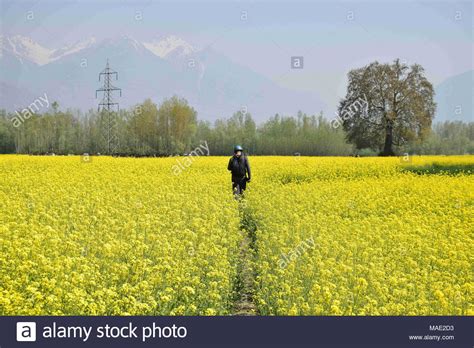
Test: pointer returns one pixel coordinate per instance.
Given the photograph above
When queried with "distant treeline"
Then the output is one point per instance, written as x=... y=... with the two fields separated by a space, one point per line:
x=173 y=129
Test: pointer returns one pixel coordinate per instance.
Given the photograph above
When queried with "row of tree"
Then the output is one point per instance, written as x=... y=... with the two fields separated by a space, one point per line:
x=448 y=138
x=172 y=128
x=169 y=129
x=387 y=108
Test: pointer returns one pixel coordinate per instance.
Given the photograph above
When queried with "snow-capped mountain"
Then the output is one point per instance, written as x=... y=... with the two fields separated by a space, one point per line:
x=169 y=46
x=27 y=50
x=24 y=48
x=71 y=49
x=213 y=84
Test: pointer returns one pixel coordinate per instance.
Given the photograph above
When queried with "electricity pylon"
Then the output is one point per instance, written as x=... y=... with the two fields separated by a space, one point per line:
x=109 y=109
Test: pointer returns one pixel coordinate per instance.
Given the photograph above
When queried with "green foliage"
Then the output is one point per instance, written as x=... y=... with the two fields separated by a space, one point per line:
x=387 y=105
x=7 y=140
x=172 y=128
x=366 y=152
x=440 y=168
x=302 y=135
x=447 y=138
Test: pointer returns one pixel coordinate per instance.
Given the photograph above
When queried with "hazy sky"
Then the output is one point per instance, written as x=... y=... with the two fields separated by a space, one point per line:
x=333 y=37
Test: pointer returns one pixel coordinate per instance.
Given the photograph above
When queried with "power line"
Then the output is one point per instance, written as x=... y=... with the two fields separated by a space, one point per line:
x=109 y=108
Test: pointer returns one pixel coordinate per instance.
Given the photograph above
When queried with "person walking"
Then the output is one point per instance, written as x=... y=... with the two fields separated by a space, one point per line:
x=240 y=169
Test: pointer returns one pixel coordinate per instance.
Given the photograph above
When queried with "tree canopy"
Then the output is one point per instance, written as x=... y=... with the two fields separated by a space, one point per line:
x=387 y=105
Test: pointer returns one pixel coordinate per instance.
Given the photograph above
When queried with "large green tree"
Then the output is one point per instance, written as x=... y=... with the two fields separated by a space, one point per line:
x=143 y=127
x=387 y=105
x=177 y=125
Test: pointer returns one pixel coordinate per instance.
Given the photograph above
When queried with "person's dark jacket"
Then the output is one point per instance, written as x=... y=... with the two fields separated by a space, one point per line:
x=240 y=168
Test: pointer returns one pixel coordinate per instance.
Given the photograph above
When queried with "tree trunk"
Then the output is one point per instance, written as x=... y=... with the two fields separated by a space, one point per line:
x=387 y=149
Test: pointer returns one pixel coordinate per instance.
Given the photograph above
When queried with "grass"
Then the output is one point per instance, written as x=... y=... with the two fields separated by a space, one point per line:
x=440 y=168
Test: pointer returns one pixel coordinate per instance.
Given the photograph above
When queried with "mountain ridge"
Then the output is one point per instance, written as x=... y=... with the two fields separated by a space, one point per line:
x=162 y=67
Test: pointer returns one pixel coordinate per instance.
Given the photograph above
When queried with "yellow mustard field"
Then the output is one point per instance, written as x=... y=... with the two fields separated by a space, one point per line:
x=330 y=236
x=358 y=237
x=114 y=236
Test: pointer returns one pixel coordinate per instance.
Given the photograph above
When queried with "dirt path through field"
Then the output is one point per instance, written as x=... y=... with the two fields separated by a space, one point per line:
x=245 y=282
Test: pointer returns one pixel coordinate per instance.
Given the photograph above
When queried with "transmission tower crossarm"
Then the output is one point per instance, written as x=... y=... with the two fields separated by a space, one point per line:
x=108 y=106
